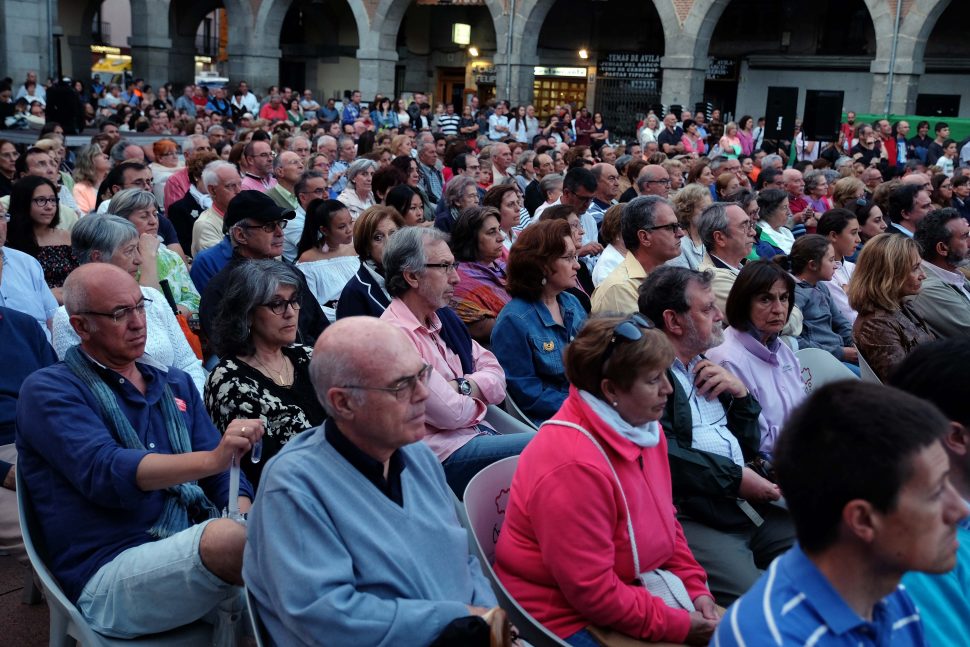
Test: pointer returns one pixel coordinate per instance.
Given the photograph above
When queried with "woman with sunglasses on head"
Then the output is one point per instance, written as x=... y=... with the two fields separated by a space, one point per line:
x=533 y=329
x=263 y=372
x=34 y=217
x=574 y=567
x=326 y=253
x=758 y=307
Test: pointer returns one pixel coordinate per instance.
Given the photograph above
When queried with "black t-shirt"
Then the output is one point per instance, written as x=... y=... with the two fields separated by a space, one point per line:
x=628 y=195
x=667 y=137
x=868 y=154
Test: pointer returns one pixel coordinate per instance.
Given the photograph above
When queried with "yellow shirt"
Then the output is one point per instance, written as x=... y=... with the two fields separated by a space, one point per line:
x=619 y=291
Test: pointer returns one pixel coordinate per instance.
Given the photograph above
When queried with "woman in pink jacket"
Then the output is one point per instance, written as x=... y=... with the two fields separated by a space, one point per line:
x=596 y=473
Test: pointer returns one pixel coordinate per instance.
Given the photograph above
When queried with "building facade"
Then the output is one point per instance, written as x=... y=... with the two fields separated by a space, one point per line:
x=634 y=55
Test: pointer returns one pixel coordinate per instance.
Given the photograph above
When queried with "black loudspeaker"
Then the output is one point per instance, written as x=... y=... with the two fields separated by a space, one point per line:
x=823 y=115
x=780 y=113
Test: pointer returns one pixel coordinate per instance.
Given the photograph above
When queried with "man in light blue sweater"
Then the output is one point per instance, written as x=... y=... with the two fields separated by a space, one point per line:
x=353 y=538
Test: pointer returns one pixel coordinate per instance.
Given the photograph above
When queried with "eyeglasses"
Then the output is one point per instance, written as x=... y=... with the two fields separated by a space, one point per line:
x=673 y=227
x=279 y=307
x=122 y=314
x=317 y=192
x=630 y=329
x=43 y=201
x=572 y=258
x=10 y=156
x=447 y=267
x=268 y=227
x=665 y=181
x=403 y=389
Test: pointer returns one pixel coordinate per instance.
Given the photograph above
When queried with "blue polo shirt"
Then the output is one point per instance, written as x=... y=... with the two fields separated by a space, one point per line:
x=23 y=287
x=23 y=350
x=794 y=604
x=82 y=481
x=210 y=262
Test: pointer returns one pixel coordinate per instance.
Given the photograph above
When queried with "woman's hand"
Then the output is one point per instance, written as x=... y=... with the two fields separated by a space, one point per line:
x=705 y=604
x=701 y=629
x=148 y=245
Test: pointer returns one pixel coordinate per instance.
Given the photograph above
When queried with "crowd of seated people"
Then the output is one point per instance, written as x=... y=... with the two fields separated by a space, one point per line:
x=337 y=305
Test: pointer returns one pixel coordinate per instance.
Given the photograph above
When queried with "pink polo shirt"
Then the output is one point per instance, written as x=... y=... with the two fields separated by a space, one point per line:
x=451 y=419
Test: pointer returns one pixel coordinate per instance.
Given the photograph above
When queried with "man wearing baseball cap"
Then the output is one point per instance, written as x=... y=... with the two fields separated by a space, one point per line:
x=255 y=224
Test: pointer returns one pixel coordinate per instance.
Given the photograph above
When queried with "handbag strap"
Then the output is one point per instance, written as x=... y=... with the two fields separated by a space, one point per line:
x=629 y=518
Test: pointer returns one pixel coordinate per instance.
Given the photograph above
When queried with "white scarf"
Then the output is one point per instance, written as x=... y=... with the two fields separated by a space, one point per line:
x=647 y=435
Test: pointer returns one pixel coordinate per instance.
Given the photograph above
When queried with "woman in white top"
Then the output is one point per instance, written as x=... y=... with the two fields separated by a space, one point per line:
x=775 y=237
x=614 y=253
x=326 y=252
x=650 y=130
x=112 y=239
x=551 y=187
x=403 y=118
x=841 y=227
x=358 y=195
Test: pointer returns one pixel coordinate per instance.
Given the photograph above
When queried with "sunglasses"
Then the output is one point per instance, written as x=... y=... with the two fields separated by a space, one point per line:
x=628 y=330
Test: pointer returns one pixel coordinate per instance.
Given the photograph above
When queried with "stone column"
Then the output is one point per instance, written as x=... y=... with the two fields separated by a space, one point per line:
x=683 y=80
x=522 y=76
x=150 y=42
x=259 y=68
x=181 y=60
x=376 y=72
x=905 y=86
x=25 y=40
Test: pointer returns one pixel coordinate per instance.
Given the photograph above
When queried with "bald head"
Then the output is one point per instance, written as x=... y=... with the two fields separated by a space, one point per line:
x=918 y=179
x=607 y=181
x=653 y=179
x=89 y=284
x=793 y=182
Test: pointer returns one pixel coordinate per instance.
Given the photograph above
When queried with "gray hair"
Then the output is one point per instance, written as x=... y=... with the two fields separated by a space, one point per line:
x=357 y=167
x=118 y=150
x=325 y=139
x=215 y=128
x=769 y=160
x=456 y=187
x=294 y=139
x=550 y=182
x=524 y=158
x=712 y=220
x=404 y=252
x=717 y=162
x=639 y=214
x=210 y=174
x=301 y=184
x=831 y=175
x=126 y=202
x=813 y=179
x=251 y=284
x=103 y=233
x=345 y=138
x=190 y=142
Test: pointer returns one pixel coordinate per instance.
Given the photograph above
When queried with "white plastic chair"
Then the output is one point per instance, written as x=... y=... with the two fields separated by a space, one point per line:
x=485 y=499
x=513 y=409
x=820 y=367
x=503 y=422
x=67 y=625
x=868 y=375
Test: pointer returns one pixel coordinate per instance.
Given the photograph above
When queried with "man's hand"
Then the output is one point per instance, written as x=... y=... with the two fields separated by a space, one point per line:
x=590 y=249
x=10 y=480
x=712 y=380
x=756 y=488
x=476 y=611
x=850 y=354
x=701 y=629
x=239 y=438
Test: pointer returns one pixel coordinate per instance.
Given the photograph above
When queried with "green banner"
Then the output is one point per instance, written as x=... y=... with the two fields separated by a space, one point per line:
x=959 y=128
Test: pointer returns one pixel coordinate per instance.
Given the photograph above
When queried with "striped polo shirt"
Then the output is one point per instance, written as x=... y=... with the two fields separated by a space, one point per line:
x=794 y=604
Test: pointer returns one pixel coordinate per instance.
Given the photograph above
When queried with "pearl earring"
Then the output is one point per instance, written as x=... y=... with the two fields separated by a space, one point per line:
x=615 y=403
x=543 y=280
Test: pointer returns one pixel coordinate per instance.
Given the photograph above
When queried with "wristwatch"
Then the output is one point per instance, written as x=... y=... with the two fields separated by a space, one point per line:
x=464 y=386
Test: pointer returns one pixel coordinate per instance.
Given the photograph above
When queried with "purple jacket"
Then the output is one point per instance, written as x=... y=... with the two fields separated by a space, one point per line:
x=773 y=375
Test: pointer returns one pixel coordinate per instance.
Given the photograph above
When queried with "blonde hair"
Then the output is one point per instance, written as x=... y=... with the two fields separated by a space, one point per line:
x=880 y=273
x=845 y=190
x=687 y=200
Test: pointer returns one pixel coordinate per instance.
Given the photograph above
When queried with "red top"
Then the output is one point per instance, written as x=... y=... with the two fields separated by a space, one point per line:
x=564 y=552
x=270 y=114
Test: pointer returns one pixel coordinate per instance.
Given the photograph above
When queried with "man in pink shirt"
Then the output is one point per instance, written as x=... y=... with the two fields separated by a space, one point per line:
x=273 y=111
x=420 y=276
x=177 y=184
x=259 y=167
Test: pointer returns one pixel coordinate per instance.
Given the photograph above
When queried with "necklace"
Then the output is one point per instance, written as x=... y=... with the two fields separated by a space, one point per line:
x=279 y=380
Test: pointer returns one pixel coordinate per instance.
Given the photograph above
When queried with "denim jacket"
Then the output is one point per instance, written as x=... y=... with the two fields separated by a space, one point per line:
x=824 y=326
x=529 y=346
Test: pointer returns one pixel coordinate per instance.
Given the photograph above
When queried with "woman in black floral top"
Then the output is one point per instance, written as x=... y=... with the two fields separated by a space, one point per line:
x=262 y=372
